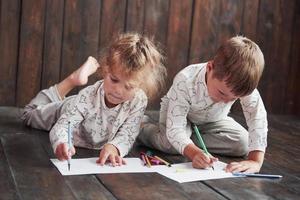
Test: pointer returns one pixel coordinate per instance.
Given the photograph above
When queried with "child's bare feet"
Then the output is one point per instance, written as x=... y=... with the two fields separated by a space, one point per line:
x=80 y=76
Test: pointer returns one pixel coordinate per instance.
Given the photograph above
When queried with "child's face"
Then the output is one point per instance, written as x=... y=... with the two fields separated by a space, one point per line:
x=217 y=90
x=117 y=88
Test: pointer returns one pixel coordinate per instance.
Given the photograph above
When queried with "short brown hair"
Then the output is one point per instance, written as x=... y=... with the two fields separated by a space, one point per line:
x=240 y=62
x=140 y=58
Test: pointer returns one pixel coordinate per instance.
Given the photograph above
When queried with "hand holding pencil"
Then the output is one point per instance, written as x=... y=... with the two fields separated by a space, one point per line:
x=201 y=159
x=64 y=151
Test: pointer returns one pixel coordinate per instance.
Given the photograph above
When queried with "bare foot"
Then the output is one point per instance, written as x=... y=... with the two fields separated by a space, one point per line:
x=80 y=76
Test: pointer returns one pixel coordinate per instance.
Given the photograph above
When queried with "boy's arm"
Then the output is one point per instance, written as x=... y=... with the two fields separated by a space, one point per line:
x=129 y=130
x=251 y=165
x=190 y=151
x=178 y=108
x=256 y=119
x=257 y=156
x=198 y=157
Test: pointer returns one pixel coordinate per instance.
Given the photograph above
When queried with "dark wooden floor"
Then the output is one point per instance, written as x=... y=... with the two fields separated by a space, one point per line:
x=27 y=173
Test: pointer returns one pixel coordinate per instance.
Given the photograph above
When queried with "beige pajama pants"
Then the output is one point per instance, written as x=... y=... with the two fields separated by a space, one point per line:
x=44 y=110
x=225 y=137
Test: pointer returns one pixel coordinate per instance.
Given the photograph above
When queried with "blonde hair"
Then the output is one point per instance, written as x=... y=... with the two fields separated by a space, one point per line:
x=240 y=62
x=139 y=58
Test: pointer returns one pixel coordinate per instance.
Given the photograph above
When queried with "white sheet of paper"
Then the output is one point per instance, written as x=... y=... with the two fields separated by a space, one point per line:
x=89 y=166
x=184 y=172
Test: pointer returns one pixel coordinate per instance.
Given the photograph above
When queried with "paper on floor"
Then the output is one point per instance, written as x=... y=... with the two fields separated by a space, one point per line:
x=183 y=172
x=89 y=166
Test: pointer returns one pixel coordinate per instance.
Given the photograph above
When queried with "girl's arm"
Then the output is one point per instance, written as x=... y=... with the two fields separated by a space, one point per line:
x=59 y=133
x=74 y=113
x=129 y=130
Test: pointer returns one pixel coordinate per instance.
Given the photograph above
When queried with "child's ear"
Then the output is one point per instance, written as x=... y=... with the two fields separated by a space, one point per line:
x=210 y=66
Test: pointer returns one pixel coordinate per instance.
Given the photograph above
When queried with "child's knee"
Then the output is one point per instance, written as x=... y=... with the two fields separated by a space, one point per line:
x=26 y=114
x=38 y=117
x=153 y=136
x=240 y=146
x=147 y=133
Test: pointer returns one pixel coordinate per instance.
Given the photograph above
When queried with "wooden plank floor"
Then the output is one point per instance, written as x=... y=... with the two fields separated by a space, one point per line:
x=27 y=173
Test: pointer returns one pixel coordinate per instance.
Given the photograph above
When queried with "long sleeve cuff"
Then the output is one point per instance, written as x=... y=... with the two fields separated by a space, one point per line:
x=181 y=146
x=54 y=146
x=257 y=147
x=56 y=140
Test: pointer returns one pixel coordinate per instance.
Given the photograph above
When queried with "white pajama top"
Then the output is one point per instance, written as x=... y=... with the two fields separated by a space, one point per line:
x=93 y=124
x=188 y=99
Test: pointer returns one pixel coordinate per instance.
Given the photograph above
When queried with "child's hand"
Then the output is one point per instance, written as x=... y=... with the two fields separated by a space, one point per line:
x=249 y=166
x=63 y=152
x=110 y=153
x=202 y=161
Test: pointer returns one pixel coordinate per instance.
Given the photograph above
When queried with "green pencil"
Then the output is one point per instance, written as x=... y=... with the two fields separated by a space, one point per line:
x=201 y=142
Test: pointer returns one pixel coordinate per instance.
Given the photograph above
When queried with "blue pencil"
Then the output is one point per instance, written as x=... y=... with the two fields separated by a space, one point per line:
x=256 y=175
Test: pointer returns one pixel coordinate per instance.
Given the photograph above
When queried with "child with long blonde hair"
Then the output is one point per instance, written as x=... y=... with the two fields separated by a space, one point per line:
x=106 y=115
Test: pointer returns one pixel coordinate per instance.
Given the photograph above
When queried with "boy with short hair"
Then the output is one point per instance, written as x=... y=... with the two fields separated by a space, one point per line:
x=203 y=94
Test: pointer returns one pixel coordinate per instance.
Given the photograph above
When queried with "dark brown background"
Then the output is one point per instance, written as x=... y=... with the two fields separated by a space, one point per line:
x=41 y=42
